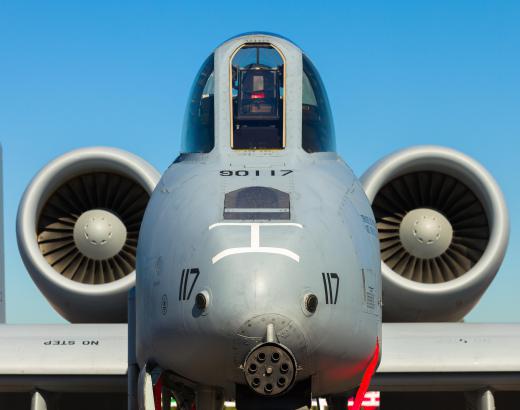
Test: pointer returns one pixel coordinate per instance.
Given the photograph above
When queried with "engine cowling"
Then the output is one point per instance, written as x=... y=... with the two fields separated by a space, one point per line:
x=443 y=229
x=77 y=228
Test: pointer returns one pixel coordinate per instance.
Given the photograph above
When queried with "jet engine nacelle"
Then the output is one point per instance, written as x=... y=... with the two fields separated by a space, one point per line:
x=443 y=230
x=77 y=229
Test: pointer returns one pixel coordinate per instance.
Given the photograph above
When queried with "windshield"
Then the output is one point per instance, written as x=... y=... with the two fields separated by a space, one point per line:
x=257 y=77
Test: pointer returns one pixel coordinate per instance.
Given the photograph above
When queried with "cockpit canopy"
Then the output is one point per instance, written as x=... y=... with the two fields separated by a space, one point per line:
x=257 y=78
x=198 y=134
x=317 y=125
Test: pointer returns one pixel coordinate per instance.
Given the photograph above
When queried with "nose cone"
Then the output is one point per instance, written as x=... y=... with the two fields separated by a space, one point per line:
x=258 y=277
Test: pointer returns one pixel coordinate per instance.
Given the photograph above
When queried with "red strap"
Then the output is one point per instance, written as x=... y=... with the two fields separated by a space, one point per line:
x=157 y=394
x=367 y=377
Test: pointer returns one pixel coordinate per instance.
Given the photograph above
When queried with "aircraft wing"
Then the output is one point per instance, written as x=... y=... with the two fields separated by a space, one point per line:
x=69 y=357
x=449 y=357
x=417 y=357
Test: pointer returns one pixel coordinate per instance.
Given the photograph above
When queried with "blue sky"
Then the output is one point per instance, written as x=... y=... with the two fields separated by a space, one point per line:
x=398 y=73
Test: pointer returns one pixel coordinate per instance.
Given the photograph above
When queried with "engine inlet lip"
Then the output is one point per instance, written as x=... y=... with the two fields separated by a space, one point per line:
x=50 y=282
x=49 y=179
x=470 y=172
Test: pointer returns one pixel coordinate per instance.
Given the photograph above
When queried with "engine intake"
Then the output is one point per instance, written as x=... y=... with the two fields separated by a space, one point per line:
x=443 y=229
x=77 y=227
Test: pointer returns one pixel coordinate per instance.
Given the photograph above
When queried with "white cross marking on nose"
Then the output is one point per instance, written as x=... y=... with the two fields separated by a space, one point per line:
x=255 y=241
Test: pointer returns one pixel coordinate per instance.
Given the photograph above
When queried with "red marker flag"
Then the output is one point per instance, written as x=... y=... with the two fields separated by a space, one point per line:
x=365 y=381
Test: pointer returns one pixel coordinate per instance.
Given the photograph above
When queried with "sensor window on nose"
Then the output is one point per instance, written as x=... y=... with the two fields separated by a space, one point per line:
x=257 y=203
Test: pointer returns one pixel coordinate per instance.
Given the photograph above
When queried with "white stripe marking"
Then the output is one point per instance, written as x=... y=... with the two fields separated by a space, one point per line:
x=255 y=236
x=237 y=251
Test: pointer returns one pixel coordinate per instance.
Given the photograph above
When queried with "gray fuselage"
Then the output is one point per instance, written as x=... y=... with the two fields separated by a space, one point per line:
x=249 y=290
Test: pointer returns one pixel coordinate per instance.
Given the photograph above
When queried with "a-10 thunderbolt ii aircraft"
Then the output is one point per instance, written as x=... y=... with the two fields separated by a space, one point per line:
x=259 y=258
x=258 y=270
